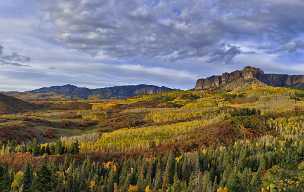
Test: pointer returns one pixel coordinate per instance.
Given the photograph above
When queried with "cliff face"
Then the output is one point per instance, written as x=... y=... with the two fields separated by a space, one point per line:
x=248 y=73
x=296 y=81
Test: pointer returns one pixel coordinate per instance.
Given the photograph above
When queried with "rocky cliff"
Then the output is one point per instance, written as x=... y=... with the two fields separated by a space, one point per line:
x=250 y=73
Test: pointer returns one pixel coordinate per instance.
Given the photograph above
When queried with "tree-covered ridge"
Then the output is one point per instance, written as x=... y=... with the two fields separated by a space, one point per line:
x=246 y=139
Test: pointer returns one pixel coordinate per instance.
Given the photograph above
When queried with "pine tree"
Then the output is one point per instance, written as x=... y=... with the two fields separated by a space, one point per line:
x=193 y=182
x=206 y=181
x=256 y=181
x=47 y=149
x=4 y=179
x=59 y=148
x=27 y=179
x=158 y=177
x=44 y=181
x=75 y=148
x=35 y=148
x=186 y=171
x=198 y=166
x=169 y=172
x=176 y=184
x=42 y=150
x=141 y=182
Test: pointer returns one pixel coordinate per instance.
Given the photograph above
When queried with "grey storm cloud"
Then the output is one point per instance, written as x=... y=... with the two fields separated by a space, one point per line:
x=292 y=46
x=224 y=55
x=175 y=29
x=13 y=59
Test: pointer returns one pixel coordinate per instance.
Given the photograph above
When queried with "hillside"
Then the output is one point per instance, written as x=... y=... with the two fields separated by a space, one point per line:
x=68 y=90
x=243 y=135
x=238 y=78
x=13 y=105
x=252 y=134
x=71 y=91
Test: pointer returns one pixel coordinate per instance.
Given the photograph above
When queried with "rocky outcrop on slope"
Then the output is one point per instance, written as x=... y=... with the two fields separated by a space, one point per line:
x=250 y=73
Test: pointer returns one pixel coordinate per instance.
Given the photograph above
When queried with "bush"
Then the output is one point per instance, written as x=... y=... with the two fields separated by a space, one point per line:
x=245 y=112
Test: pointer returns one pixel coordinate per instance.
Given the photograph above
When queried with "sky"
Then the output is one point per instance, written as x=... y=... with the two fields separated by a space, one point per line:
x=94 y=43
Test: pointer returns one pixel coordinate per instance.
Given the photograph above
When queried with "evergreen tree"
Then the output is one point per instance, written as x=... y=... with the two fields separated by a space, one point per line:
x=44 y=181
x=75 y=148
x=35 y=148
x=176 y=184
x=158 y=177
x=169 y=172
x=59 y=148
x=186 y=169
x=47 y=149
x=4 y=179
x=27 y=179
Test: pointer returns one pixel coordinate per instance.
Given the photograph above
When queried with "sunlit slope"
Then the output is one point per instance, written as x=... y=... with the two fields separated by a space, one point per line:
x=192 y=119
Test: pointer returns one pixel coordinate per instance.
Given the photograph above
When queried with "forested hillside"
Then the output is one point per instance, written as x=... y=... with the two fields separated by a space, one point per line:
x=152 y=96
x=246 y=139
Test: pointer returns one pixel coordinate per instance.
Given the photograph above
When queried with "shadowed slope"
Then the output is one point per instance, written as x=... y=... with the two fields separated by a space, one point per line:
x=13 y=105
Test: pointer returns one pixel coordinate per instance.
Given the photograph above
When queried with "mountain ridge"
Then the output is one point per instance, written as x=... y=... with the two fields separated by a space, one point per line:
x=247 y=74
x=123 y=91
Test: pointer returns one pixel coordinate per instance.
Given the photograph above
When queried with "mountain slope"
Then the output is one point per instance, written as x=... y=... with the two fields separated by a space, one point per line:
x=68 y=90
x=128 y=91
x=13 y=105
x=72 y=91
x=249 y=74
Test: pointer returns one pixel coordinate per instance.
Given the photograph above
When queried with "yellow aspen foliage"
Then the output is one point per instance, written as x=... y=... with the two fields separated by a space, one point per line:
x=92 y=185
x=133 y=188
x=17 y=183
x=60 y=173
x=44 y=145
x=110 y=165
x=178 y=158
x=265 y=189
x=103 y=106
x=147 y=189
x=222 y=189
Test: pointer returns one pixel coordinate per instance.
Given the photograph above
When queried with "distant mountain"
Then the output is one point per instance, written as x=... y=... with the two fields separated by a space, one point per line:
x=128 y=91
x=13 y=105
x=249 y=74
x=72 y=91
x=68 y=90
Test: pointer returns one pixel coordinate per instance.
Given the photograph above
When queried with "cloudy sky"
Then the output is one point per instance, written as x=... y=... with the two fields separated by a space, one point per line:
x=97 y=43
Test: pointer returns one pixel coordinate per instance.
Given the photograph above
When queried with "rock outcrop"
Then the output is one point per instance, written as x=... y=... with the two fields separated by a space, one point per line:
x=250 y=73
